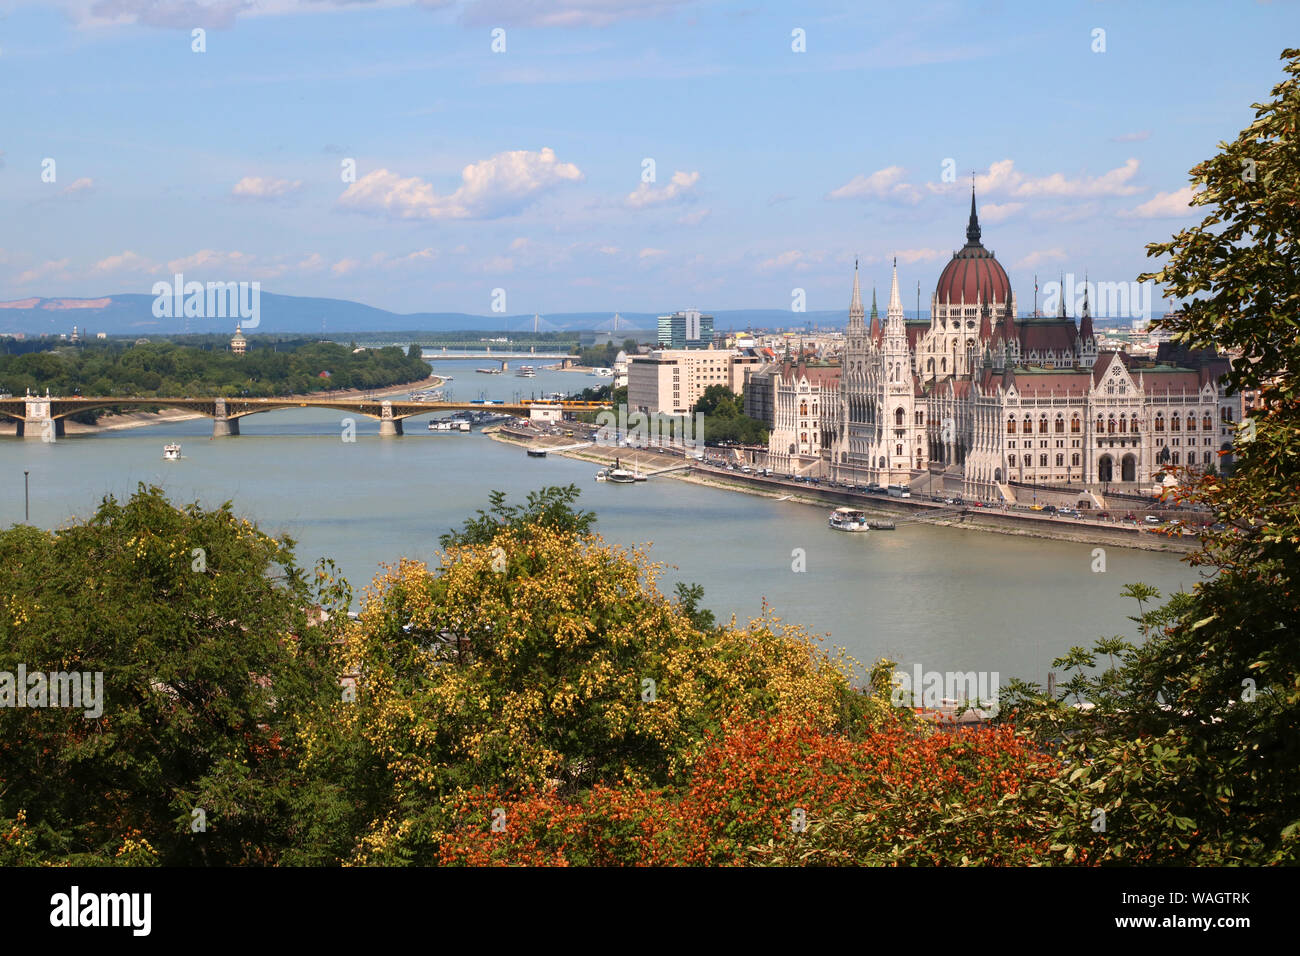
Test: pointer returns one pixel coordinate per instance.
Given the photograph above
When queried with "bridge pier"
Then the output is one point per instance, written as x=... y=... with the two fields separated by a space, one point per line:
x=37 y=421
x=389 y=427
x=223 y=426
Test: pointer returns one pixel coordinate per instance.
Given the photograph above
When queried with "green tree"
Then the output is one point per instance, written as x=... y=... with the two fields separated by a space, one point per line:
x=197 y=622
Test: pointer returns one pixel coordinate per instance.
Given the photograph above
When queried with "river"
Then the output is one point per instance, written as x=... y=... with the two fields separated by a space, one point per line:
x=945 y=598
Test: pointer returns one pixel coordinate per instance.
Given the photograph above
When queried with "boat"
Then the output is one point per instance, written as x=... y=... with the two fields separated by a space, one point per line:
x=602 y=373
x=879 y=525
x=172 y=452
x=620 y=475
x=488 y=371
x=537 y=453
x=848 y=519
x=526 y=371
x=602 y=475
x=449 y=425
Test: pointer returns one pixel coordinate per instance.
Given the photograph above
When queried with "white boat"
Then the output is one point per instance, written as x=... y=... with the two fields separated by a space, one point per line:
x=448 y=425
x=848 y=519
x=172 y=452
x=621 y=475
x=602 y=373
x=526 y=371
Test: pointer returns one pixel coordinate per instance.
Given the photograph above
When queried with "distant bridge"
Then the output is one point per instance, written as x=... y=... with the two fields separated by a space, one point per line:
x=43 y=416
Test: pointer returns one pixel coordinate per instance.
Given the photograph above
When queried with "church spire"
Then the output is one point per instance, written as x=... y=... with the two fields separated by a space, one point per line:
x=973 y=227
x=895 y=300
x=855 y=305
x=1085 y=321
x=875 y=316
x=1060 y=311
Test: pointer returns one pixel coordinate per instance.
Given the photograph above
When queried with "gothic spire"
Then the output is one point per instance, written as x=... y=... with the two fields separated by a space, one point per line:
x=1060 y=312
x=973 y=227
x=895 y=300
x=1085 y=321
x=875 y=316
x=855 y=305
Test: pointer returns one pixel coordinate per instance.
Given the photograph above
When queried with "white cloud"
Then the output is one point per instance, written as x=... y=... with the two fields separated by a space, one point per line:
x=79 y=186
x=125 y=262
x=911 y=256
x=258 y=187
x=1163 y=206
x=1055 y=254
x=521 y=244
x=694 y=218
x=565 y=13
x=646 y=194
x=344 y=266
x=882 y=184
x=312 y=263
x=54 y=267
x=1004 y=179
x=998 y=212
x=648 y=253
x=211 y=260
x=1137 y=137
x=499 y=186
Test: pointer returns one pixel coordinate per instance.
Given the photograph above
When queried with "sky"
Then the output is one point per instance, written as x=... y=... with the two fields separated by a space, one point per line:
x=606 y=155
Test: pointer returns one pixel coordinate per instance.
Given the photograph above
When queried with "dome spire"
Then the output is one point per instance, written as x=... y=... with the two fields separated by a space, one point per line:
x=973 y=227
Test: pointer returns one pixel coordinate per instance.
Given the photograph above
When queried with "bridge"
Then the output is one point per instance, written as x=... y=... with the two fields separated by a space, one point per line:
x=43 y=416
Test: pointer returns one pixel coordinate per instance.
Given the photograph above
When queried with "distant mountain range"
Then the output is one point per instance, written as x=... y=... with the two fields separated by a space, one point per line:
x=132 y=314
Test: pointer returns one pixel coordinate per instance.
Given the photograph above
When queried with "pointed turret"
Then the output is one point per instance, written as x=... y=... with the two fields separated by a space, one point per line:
x=986 y=320
x=875 y=317
x=855 y=304
x=973 y=227
x=895 y=300
x=1060 y=309
x=1085 y=320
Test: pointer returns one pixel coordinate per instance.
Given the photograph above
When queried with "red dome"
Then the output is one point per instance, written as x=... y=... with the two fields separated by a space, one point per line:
x=973 y=274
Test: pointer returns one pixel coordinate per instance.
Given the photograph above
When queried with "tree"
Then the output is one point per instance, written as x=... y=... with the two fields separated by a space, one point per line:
x=1192 y=753
x=197 y=623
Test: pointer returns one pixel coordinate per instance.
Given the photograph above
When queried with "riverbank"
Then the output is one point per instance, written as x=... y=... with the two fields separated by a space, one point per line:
x=109 y=423
x=971 y=519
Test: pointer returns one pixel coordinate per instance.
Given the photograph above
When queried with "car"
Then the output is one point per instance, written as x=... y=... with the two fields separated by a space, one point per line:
x=979 y=504
x=1049 y=509
x=1103 y=514
x=1151 y=519
x=1130 y=517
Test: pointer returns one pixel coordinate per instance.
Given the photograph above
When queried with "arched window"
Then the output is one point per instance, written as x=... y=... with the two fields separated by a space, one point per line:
x=1134 y=419
x=1207 y=423
x=1074 y=459
x=929 y=366
x=898 y=449
x=1029 y=425
x=1060 y=425
x=1110 y=425
x=1074 y=425
x=1011 y=425
x=898 y=418
x=920 y=418
x=1160 y=421
x=1060 y=461
x=1042 y=460
x=1011 y=460
x=1123 y=424
x=1101 y=425
x=1191 y=422
x=803 y=409
x=1174 y=423
x=1042 y=425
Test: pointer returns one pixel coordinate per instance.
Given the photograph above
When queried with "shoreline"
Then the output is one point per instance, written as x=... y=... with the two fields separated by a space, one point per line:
x=110 y=423
x=995 y=522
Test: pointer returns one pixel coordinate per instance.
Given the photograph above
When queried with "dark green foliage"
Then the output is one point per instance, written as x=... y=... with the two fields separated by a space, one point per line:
x=550 y=508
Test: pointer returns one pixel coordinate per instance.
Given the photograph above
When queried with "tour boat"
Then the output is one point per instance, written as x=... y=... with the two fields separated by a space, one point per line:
x=448 y=425
x=602 y=373
x=602 y=475
x=620 y=475
x=171 y=452
x=537 y=453
x=488 y=371
x=848 y=519
x=526 y=371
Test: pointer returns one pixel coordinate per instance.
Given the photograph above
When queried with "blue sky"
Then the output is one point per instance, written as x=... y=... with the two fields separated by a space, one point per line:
x=522 y=170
